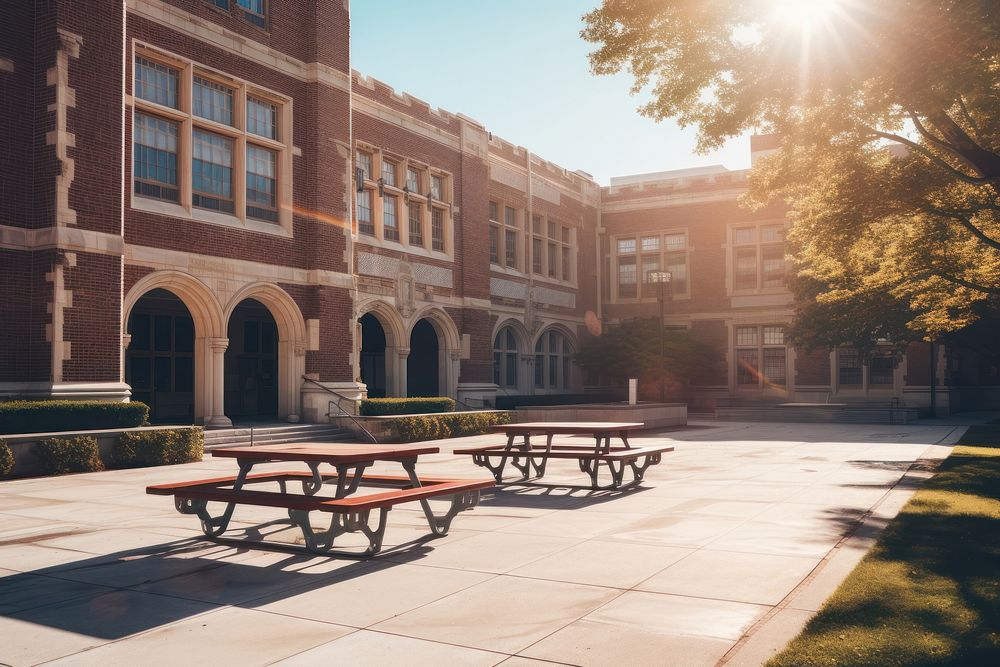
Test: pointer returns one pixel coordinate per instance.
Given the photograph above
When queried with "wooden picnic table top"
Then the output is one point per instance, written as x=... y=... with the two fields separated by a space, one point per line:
x=325 y=452
x=568 y=427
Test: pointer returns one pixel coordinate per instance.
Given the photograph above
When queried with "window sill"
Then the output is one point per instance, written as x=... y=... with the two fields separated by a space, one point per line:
x=158 y=207
x=507 y=270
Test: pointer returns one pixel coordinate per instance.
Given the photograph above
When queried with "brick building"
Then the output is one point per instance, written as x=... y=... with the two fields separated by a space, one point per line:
x=203 y=207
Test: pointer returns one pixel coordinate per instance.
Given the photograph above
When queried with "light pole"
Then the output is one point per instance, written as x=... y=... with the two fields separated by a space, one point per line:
x=661 y=278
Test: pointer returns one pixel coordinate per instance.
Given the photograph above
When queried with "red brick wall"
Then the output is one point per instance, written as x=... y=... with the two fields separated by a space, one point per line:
x=24 y=352
x=812 y=368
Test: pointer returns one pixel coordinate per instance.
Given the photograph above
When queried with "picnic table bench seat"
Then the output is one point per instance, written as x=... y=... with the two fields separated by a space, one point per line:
x=527 y=459
x=349 y=512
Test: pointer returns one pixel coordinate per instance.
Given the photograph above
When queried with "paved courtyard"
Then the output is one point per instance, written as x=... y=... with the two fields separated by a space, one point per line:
x=723 y=553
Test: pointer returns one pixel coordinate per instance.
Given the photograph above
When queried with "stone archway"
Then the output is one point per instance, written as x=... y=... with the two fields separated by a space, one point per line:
x=209 y=338
x=291 y=344
x=380 y=343
x=512 y=363
x=446 y=351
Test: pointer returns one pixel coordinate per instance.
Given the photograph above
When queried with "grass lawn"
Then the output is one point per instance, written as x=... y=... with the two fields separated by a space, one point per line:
x=929 y=592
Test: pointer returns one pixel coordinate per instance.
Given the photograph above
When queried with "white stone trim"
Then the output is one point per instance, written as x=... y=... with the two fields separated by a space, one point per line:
x=63 y=238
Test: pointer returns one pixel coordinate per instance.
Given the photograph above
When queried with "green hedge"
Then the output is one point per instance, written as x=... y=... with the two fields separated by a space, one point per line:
x=376 y=407
x=412 y=429
x=139 y=449
x=6 y=459
x=62 y=455
x=51 y=416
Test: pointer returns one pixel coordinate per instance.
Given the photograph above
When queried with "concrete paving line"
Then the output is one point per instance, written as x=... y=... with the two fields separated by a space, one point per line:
x=869 y=520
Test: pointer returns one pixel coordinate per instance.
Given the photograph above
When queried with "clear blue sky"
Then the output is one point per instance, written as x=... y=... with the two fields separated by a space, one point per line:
x=520 y=67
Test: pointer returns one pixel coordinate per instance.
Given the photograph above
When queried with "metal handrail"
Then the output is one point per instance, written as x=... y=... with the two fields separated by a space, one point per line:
x=341 y=397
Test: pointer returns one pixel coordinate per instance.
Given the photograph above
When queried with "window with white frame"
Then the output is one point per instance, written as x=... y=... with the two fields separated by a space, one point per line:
x=639 y=256
x=758 y=255
x=505 y=358
x=403 y=193
x=553 y=356
x=761 y=355
x=199 y=150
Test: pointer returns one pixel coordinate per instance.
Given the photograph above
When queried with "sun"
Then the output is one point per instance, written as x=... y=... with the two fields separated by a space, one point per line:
x=803 y=14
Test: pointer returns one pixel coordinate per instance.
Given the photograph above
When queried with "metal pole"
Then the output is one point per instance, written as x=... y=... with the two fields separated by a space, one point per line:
x=663 y=382
x=933 y=370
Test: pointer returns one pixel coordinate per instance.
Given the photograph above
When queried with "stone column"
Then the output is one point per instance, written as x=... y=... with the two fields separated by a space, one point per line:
x=402 y=354
x=217 y=398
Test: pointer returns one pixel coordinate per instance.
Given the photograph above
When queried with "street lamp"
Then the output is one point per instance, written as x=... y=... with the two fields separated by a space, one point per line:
x=661 y=278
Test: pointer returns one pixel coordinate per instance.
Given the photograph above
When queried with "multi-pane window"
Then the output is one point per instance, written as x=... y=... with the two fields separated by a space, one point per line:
x=154 y=158
x=202 y=150
x=510 y=236
x=666 y=252
x=156 y=82
x=761 y=356
x=553 y=265
x=212 y=100
x=262 y=117
x=505 y=358
x=388 y=172
x=254 y=11
x=212 y=171
x=392 y=208
x=758 y=257
x=553 y=355
x=849 y=369
x=261 y=181
x=390 y=229
x=366 y=224
x=494 y=244
x=437 y=187
x=363 y=160
x=413 y=180
x=536 y=255
x=437 y=229
x=880 y=370
x=416 y=223
x=510 y=247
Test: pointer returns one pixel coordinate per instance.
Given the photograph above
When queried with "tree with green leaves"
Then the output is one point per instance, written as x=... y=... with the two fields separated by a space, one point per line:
x=889 y=118
x=632 y=350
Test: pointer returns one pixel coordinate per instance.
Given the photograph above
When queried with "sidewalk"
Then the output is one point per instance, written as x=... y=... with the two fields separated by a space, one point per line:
x=721 y=556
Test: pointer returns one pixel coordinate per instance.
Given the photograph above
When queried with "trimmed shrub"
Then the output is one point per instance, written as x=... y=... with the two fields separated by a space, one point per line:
x=436 y=427
x=59 y=456
x=377 y=407
x=138 y=449
x=6 y=459
x=50 y=416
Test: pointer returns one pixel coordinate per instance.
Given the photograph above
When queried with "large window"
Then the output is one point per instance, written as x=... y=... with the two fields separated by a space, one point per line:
x=507 y=236
x=254 y=11
x=389 y=187
x=849 y=369
x=553 y=356
x=639 y=256
x=505 y=359
x=510 y=237
x=761 y=356
x=758 y=257
x=219 y=149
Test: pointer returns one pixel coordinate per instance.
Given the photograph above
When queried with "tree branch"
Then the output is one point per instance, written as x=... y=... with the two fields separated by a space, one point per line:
x=974 y=180
x=967 y=223
x=965 y=283
x=986 y=162
x=943 y=145
x=968 y=118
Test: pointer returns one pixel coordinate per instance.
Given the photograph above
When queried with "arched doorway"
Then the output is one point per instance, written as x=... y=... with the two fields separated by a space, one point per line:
x=159 y=361
x=251 y=365
x=373 y=356
x=424 y=361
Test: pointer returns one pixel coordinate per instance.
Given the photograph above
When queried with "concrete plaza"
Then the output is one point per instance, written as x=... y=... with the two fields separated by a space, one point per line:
x=721 y=556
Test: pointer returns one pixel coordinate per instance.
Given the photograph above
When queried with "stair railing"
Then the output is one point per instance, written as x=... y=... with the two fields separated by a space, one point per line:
x=336 y=403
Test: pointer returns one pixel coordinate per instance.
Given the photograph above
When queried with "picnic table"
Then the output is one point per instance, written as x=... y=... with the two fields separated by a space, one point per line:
x=349 y=512
x=526 y=457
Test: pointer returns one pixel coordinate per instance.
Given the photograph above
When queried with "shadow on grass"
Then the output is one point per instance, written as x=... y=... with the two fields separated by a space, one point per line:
x=929 y=592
